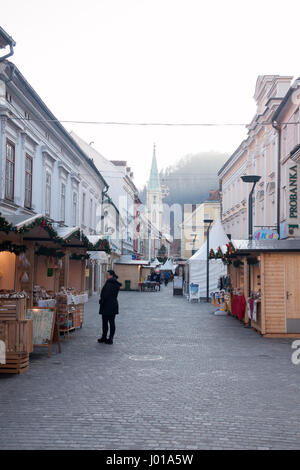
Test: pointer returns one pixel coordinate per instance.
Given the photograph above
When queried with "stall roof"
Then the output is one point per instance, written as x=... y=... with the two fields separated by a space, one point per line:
x=66 y=232
x=266 y=245
x=18 y=220
x=134 y=262
x=168 y=266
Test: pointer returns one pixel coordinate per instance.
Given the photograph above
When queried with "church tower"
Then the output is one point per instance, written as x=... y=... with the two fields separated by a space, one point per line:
x=154 y=195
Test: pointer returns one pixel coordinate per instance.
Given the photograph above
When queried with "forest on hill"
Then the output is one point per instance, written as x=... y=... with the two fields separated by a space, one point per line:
x=191 y=178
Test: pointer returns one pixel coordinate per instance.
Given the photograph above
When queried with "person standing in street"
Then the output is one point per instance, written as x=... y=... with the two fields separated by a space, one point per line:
x=109 y=306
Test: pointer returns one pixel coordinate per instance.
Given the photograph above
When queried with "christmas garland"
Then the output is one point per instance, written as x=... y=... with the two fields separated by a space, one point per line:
x=102 y=245
x=12 y=248
x=79 y=257
x=50 y=252
x=45 y=224
x=237 y=263
x=4 y=225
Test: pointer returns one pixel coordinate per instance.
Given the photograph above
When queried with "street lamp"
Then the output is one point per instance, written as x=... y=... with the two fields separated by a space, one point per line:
x=194 y=240
x=209 y=222
x=250 y=179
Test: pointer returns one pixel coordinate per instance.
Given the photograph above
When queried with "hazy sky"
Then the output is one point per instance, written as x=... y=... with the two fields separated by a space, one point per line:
x=153 y=61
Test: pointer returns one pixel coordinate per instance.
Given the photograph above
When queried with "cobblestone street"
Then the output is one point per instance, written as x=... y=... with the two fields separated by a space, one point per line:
x=175 y=377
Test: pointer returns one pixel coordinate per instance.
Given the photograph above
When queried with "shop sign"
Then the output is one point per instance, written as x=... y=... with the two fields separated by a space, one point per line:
x=293 y=200
x=87 y=273
x=265 y=234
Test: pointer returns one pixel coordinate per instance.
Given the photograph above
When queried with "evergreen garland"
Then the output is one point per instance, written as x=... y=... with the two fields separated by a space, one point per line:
x=4 y=225
x=79 y=257
x=45 y=224
x=51 y=252
x=12 y=247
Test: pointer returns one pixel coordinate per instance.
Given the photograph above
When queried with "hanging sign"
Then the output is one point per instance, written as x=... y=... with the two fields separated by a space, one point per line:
x=265 y=234
x=293 y=224
x=87 y=273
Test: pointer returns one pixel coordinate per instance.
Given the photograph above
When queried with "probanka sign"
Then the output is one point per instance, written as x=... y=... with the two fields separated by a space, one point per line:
x=2 y=352
x=292 y=200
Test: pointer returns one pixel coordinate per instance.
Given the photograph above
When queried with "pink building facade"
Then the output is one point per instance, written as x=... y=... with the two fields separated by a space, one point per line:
x=271 y=151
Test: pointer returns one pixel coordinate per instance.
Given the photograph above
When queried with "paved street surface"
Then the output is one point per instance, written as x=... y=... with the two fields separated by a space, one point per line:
x=177 y=376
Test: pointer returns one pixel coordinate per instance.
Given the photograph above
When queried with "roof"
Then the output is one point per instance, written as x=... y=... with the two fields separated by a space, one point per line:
x=290 y=91
x=217 y=237
x=244 y=246
x=55 y=122
x=154 y=183
x=134 y=262
x=5 y=39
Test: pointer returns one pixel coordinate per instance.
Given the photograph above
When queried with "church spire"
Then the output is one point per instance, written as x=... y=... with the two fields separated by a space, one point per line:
x=154 y=184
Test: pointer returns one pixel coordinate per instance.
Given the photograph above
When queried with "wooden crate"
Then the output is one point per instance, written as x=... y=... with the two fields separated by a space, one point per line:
x=17 y=335
x=13 y=309
x=15 y=364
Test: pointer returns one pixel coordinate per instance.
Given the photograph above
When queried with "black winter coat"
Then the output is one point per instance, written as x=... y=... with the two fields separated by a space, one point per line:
x=108 y=298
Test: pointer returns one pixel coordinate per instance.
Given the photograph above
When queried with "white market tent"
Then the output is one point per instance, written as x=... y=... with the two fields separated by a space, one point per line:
x=197 y=263
x=168 y=266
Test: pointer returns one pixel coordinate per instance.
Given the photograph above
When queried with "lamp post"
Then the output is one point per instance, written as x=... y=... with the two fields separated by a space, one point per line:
x=209 y=222
x=250 y=179
x=194 y=240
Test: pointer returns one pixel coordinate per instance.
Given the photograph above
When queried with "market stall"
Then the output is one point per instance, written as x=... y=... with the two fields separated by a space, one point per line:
x=42 y=266
x=269 y=283
x=197 y=264
x=130 y=273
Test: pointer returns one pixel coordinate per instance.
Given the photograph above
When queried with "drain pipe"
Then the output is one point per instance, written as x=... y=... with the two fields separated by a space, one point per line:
x=278 y=129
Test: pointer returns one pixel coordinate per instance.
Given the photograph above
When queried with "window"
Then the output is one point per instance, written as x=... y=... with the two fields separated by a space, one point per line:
x=10 y=171
x=48 y=194
x=83 y=208
x=28 y=181
x=62 y=202
x=8 y=97
x=74 y=210
x=91 y=213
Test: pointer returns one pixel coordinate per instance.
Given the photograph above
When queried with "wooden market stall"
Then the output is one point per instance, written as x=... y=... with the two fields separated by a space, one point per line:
x=41 y=267
x=16 y=332
x=273 y=293
x=130 y=273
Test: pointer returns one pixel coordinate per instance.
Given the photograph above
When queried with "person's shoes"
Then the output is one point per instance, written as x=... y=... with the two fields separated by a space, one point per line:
x=102 y=340
x=109 y=341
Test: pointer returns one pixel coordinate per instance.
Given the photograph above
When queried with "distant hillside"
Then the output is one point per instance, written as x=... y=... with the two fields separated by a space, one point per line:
x=191 y=179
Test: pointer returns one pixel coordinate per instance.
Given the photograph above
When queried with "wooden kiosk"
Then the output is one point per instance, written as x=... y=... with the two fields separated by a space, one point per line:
x=275 y=274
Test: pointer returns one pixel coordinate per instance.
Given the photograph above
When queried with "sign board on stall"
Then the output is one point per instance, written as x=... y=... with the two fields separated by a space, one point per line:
x=265 y=234
x=44 y=327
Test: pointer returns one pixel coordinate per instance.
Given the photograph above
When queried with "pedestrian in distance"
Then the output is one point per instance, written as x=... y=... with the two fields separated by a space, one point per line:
x=167 y=277
x=109 y=306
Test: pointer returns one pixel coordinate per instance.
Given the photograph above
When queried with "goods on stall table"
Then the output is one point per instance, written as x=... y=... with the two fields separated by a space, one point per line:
x=70 y=309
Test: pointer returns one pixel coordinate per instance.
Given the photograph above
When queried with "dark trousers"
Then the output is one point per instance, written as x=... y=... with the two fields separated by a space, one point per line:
x=112 y=327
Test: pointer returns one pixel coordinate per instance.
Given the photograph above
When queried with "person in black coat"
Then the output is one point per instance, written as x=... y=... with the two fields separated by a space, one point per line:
x=109 y=306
